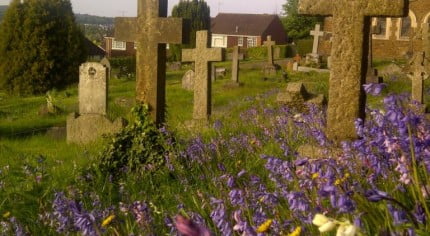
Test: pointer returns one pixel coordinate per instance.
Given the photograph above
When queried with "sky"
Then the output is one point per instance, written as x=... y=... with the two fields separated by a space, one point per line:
x=128 y=7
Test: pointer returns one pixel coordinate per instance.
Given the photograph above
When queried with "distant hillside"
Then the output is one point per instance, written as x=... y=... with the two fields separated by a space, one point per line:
x=2 y=11
x=94 y=20
x=80 y=18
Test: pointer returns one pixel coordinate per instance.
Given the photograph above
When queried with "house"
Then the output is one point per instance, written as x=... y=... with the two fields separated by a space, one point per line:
x=95 y=53
x=394 y=37
x=116 y=48
x=246 y=30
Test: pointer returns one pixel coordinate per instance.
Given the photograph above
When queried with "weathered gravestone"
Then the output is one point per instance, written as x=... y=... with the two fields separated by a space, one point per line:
x=314 y=58
x=91 y=122
x=152 y=31
x=235 y=65
x=346 y=96
x=202 y=55
x=188 y=80
x=269 y=68
x=297 y=96
x=418 y=76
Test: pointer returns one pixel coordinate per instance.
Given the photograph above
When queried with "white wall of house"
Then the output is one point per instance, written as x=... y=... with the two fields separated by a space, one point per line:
x=219 y=41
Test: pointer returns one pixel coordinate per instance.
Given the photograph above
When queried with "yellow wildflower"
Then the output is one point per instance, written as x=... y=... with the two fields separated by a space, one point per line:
x=265 y=226
x=108 y=220
x=6 y=215
x=296 y=232
x=315 y=176
x=338 y=182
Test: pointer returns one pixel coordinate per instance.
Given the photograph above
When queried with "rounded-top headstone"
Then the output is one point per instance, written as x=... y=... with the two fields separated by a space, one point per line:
x=92 y=88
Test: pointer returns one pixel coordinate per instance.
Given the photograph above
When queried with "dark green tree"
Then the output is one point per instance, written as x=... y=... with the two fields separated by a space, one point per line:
x=198 y=13
x=41 y=47
x=297 y=26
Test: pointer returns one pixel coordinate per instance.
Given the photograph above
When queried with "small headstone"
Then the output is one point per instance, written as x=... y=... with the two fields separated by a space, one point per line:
x=391 y=69
x=295 y=66
x=91 y=122
x=188 y=80
x=106 y=63
x=277 y=53
x=296 y=96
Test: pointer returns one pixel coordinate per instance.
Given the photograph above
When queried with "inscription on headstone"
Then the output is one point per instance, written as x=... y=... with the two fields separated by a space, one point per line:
x=93 y=89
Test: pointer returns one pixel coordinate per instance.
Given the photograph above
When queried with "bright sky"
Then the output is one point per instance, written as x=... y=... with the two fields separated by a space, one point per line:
x=128 y=7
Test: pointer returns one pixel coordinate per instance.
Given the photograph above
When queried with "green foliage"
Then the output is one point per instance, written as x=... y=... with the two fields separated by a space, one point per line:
x=297 y=26
x=41 y=47
x=141 y=146
x=198 y=13
x=95 y=33
x=261 y=52
x=304 y=46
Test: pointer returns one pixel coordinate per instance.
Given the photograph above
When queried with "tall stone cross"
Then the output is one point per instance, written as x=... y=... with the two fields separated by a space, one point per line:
x=418 y=76
x=317 y=33
x=152 y=31
x=202 y=55
x=348 y=72
x=269 y=44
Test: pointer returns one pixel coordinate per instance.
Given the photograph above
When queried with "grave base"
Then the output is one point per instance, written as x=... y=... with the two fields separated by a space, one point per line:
x=83 y=129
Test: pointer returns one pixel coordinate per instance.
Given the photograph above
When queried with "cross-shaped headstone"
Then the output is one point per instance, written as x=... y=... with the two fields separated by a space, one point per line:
x=269 y=44
x=317 y=33
x=348 y=73
x=152 y=31
x=202 y=55
x=418 y=76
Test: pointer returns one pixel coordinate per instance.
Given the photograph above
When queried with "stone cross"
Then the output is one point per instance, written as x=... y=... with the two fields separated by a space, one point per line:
x=418 y=76
x=348 y=73
x=235 y=65
x=152 y=31
x=317 y=33
x=269 y=44
x=92 y=88
x=202 y=55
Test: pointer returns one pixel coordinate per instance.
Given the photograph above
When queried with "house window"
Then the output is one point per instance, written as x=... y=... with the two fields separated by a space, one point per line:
x=252 y=42
x=219 y=41
x=240 y=41
x=119 y=45
x=405 y=27
x=381 y=27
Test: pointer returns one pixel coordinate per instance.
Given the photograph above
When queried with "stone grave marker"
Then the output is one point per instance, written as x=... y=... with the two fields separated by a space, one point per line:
x=314 y=57
x=346 y=100
x=418 y=76
x=152 y=31
x=188 y=80
x=235 y=65
x=91 y=122
x=269 y=68
x=106 y=63
x=277 y=53
x=202 y=55
x=296 y=96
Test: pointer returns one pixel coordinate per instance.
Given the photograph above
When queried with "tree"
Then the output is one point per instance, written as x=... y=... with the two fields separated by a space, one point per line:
x=41 y=47
x=297 y=26
x=198 y=14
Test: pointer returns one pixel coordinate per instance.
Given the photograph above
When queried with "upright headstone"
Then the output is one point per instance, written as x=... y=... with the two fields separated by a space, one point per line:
x=202 y=55
x=418 y=76
x=188 y=80
x=269 y=68
x=152 y=31
x=235 y=65
x=346 y=96
x=91 y=122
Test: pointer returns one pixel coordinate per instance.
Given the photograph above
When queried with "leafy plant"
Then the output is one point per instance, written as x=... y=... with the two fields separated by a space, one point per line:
x=141 y=146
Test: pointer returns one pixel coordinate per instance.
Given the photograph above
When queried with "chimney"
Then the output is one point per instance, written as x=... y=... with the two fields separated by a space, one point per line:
x=237 y=29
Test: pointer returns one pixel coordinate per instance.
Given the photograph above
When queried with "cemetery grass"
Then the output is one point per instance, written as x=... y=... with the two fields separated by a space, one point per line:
x=39 y=166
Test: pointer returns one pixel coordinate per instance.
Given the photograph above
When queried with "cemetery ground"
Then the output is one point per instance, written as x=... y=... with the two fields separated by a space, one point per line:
x=230 y=175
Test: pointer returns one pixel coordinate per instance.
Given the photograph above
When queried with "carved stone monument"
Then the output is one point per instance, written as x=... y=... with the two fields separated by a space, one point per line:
x=346 y=100
x=269 y=68
x=202 y=55
x=418 y=76
x=152 y=31
x=235 y=65
x=314 y=58
x=91 y=122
